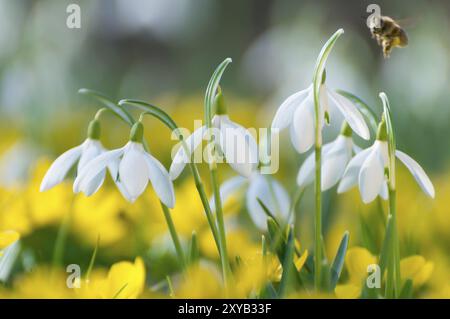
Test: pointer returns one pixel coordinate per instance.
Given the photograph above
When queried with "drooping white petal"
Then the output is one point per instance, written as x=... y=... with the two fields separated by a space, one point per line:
x=384 y=193
x=239 y=147
x=94 y=184
x=353 y=117
x=302 y=128
x=306 y=173
x=113 y=168
x=161 y=182
x=274 y=197
x=356 y=149
x=133 y=170
x=417 y=171
x=285 y=112
x=351 y=174
x=371 y=176
x=93 y=168
x=335 y=161
x=228 y=188
x=91 y=149
x=181 y=159
x=60 y=167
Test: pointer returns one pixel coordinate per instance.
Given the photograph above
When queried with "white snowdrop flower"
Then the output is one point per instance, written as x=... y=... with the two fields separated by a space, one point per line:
x=269 y=191
x=133 y=168
x=335 y=157
x=82 y=154
x=297 y=113
x=368 y=167
x=233 y=140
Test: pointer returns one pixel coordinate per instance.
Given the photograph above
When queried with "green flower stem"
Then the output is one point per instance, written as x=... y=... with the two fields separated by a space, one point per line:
x=209 y=109
x=318 y=194
x=318 y=79
x=318 y=216
x=174 y=235
x=226 y=270
x=394 y=264
x=61 y=237
x=395 y=253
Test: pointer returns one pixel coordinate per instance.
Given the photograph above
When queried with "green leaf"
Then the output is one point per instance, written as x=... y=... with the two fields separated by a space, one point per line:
x=391 y=139
x=321 y=61
x=363 y=107
x=338 y=262
x=288 y=264
x=118 y=110
x=276 y=237
x=154 y=111
x=385 y=248
x=407 y=290
x=93 y=257
x=211 y=90
x=367 y=236
x=194 y=252
x=267 y=210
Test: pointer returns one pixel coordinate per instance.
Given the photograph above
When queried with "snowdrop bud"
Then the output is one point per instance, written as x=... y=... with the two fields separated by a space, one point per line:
x=94 y=130
x=219 y=103
x=382 y=131
x=346 y=130
x=137 y=132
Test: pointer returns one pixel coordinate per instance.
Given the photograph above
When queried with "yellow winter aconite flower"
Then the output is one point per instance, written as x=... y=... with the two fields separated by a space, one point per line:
x=7 y=237
x=125 y=280
x=188 y=214
x=356 y=261
x=99 y=215
x=41 y=283
x=200 y=282
x=239 y=243
x=417 y=269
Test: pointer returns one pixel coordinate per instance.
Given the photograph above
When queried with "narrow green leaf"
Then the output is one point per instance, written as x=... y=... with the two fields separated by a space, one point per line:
x=276 y=237
x=385 y=249
x=288 y=264
x=367 y=236
x=365 y=109
x=194 y=252
x=263 y=246
x=338 y=262
x=267 y=210
x=93 y=257
x=211 y=90
x=118 y=110
x=170 y=286
x=154 y=111
x=322 y=59
x=391 y=138
x=407 y=290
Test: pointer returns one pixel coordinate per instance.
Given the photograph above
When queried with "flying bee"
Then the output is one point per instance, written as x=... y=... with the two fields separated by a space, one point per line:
x=388 y=33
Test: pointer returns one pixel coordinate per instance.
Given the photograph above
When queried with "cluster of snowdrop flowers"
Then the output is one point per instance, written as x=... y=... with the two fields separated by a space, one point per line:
x=367 y=168
x=131 y=167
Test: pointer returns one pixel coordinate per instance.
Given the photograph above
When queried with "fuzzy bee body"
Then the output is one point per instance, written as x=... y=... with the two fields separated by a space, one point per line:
x=388 y=33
